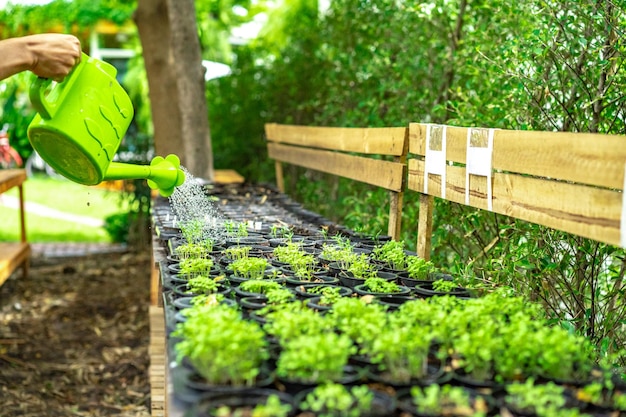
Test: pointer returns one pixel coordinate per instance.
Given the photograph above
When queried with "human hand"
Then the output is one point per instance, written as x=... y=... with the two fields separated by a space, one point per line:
x=53 y=55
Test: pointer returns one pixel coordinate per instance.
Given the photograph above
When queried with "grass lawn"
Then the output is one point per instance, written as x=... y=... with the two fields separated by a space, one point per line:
x=65 y=196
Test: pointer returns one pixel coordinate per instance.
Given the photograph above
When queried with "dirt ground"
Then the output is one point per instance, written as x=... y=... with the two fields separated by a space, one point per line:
x=74 y=338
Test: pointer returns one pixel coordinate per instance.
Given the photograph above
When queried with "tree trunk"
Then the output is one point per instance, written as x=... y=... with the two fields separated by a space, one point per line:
x=173 y=61
x=185 y=46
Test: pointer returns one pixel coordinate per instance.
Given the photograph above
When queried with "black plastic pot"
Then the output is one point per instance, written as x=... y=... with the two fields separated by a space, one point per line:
x=253 y=303
x=426 y=290
x=175 y=270
x=478 y=402
x=352 y=375
x=361 y=290
x=314 y=303
x=317 y=279
x=241 y=400
x=392 y=301
x=182 y=290
x=435 y=374
x=383 y=405
x=185 y=302
x=247 y=241
x=348 y=280
x=303 y=290
x=239 y=293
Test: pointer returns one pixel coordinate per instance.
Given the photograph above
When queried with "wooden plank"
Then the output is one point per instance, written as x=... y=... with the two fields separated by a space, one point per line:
x=584 y=158
x=369 y=140
x=581 y=210
x=10 y=178
x=385 y=174
x=12 y=255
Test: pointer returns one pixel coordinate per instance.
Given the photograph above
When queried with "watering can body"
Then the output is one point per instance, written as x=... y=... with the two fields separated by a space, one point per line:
x=80 y=124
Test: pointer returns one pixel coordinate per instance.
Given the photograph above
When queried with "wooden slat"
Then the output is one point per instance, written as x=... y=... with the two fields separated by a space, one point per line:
x=371 y=140
x=578 y=157
x=157 y=370
x=385 y=174
x=581 y=210
x=12 y=255
x=10 y=178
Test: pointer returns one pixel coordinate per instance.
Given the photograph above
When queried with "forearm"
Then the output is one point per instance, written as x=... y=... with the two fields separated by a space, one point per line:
x=15 y=57
x=48 y=55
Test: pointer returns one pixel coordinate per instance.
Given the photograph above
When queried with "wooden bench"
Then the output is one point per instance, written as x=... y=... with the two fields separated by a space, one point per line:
x=572 y=182
x=346 y=152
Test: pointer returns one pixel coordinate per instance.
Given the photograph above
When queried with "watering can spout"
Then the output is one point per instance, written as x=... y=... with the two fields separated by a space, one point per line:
x=163 y=174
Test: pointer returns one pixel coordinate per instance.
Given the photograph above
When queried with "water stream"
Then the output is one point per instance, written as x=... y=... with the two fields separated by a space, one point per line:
x=190 y=203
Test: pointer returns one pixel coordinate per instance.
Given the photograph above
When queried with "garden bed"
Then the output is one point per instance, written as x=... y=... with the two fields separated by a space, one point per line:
x=268 y=300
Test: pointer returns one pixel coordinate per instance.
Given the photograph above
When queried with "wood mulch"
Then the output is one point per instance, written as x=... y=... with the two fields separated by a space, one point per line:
x=74 y=337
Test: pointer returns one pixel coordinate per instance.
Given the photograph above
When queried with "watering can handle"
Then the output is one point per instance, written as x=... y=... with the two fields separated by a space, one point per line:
x=36 y=95
x=46 y=108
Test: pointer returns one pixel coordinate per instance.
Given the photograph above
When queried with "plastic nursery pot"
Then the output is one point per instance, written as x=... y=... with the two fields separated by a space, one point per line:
x=314 y=304
x=352 y=375
x=193 y=380
x=247 y=241
x=175 y=269
x=435 y=374
x=383 y=405
x=412 y=282
x=316 y=279
x=185 y=302
x=182 y=290
x=253 y=303
x=348 y=280
x=425 y=290
x=280 y=241
x=361 y=290
x=242 y=401
x=393 y=301
x=467 y=380
x=288 y=271
x=240 y=293
x=177 y=279
x=304 y=290
x=190 y=387
x=479 y=403
x=236 y=280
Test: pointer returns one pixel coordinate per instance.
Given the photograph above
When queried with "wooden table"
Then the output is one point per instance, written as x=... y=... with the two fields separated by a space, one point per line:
x=14 y=254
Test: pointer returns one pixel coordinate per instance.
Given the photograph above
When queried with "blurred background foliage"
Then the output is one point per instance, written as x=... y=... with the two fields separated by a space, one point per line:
x=531 y=65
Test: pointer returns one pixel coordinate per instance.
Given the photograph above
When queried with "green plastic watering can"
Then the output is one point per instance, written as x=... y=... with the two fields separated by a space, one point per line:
x=79 y=126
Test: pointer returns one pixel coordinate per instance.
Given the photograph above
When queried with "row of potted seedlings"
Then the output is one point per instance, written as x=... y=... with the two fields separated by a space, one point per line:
x=285 y=325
